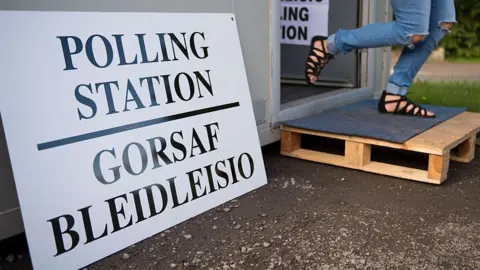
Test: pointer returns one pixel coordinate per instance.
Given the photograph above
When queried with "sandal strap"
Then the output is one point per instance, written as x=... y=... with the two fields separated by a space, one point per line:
x=321 y=56
x=415 y=109
x=319 y=64
x=419 y=109
x=323 y=50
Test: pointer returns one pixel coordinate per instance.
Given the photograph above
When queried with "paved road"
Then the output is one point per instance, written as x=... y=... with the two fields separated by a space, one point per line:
x=445 y=71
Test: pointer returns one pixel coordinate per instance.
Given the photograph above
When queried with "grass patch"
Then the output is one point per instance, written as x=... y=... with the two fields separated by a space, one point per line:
x=449 y=94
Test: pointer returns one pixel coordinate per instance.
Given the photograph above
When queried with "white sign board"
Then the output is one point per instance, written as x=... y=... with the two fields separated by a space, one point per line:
x=302 y=20
x=121 y=125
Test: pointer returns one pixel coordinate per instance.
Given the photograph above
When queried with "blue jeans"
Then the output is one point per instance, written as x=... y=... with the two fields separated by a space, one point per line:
x=413 y=17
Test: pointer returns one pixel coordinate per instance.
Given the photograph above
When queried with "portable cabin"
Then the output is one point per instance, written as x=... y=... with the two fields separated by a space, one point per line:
x=275 y=70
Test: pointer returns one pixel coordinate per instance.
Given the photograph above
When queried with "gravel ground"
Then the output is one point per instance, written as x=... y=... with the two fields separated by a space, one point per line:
x=313 y=216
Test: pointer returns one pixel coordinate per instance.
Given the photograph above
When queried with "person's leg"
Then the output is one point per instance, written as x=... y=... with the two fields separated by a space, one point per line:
x=410 y=25
x=442 y=19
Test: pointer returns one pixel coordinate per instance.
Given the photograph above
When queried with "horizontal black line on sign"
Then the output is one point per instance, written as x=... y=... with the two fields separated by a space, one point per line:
x=114 y=130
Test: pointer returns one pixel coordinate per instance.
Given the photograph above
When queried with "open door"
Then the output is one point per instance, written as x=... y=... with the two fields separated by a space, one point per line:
x=359 y=75
x=300 y=21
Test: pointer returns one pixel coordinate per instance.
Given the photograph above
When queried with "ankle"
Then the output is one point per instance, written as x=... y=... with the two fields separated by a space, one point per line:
x=389 y=96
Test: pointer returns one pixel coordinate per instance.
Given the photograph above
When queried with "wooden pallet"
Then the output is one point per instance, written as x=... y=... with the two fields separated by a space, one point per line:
x=457 y=133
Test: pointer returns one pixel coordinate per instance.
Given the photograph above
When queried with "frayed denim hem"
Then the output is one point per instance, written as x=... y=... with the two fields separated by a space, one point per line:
x=395 y=89
x=332 y=46
x=446 y=30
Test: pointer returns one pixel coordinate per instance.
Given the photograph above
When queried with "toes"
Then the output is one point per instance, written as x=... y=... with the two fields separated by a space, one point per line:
x=310 y=75
x=426 y=113
x=314 y=62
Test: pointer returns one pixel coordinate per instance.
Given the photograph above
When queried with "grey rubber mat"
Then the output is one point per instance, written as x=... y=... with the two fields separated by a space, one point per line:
x=363 y=119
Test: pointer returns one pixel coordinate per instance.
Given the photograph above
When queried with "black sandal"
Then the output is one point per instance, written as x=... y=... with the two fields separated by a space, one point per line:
x=415 y=110
x=316 y=67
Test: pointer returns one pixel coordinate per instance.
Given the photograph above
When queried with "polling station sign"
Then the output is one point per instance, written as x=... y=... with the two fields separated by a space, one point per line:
x=300 y=20
x=121 y=125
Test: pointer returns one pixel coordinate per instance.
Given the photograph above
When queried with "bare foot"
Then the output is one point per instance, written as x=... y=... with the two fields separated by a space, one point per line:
x=317 y=59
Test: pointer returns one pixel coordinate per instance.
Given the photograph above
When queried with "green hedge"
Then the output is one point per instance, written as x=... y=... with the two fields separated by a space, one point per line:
x=464 y=40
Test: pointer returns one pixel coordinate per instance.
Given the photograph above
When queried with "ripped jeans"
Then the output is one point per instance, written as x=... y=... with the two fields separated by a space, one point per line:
x=413 y=18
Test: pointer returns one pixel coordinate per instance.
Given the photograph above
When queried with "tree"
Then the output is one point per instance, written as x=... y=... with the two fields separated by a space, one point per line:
x=464 y=40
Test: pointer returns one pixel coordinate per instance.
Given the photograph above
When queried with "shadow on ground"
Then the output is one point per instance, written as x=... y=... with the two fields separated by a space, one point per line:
x=314 y=216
